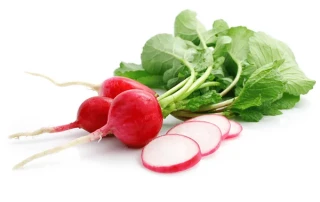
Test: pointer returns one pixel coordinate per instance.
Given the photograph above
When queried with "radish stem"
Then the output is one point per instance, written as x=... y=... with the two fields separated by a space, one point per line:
x=78 y=141
x=197 y=83
x=209 y=84
x=71 y=83
x=236 y=79
x=172 y=90
x=217 y=106
x=166 y=101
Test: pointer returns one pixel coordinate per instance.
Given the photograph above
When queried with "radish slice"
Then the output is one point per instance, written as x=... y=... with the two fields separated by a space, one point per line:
x=206 y=134
x=218 y=120
x=235 y=129
x=170 y=153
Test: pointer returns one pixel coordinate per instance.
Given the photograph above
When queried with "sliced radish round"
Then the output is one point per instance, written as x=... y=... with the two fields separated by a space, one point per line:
x=206 y=134
x=170 y=153
x=235 y=129
x=218 y=120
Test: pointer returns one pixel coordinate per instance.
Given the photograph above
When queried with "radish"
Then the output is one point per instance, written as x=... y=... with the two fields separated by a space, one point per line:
x=206 y=134
x=92 y=115
x=111 y=87
x=219 y=120
x=135 y=118
x=235 y=129
x=171 y=153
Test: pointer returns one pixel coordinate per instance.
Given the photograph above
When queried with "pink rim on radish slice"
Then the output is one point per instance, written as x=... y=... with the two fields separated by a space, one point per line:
x=206 y=134
x=235 y=129
x=218 y=120
x=171 y=153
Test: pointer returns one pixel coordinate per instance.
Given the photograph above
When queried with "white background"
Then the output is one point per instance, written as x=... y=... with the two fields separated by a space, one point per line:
x=276 y=159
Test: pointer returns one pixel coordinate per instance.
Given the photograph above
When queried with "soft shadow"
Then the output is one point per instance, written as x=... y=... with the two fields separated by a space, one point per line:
x=108 y=146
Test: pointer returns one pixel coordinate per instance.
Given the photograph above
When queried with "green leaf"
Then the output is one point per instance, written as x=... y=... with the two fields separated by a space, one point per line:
x=173 y=72
x=268 y=110
x=210 y=97
x=219 y=26
x=222 y=46
x=250 y=115
x=239 y=47
x=209 y=37
x=287 y=101
x=136 y=72
x=152 y=81
x=202 y=60
x=162 y=52
x=188 y=27
x=264 y=85
x=265 y=49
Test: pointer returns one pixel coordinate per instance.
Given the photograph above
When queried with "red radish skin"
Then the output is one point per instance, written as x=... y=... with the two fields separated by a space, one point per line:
x=235 y=130
x=219 y=120
x=135 y=118
x=92 y=115
x=111 y=87
x=116 y=85
x=171 y=153
x=206 y=134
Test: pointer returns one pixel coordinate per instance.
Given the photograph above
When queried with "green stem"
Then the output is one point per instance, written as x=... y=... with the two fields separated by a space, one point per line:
x=187 y=114
x=166 y=101
x=203 y=43
x=197 y=83
x=236 y=79
x=217 y=106
x=209 y=84
x=172 y=90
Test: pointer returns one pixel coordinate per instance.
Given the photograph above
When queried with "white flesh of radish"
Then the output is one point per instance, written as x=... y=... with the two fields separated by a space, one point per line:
x=220 y=121
x=171 y=153
x=235 y=129
x=206 y=134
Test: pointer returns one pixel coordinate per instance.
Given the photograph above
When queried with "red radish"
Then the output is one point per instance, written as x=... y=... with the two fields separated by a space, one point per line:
x=219 y=120
x=206 y=134
x=135 y=118
x=111 y=87
x=92 y=115
x=171 y=153
x=235 y=129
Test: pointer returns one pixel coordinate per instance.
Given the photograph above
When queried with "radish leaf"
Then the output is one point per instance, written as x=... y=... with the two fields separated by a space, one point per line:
x=265 y=49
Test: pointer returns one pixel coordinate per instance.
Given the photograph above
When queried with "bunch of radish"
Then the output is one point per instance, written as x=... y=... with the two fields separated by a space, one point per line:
x=131 y=112
x=127 y=109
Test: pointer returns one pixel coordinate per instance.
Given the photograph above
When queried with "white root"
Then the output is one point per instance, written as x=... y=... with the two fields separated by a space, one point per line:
x=71 y=83
x=78 y=141
x=33 y=133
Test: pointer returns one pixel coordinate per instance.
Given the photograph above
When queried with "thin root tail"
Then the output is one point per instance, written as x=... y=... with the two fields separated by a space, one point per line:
x=71 y=83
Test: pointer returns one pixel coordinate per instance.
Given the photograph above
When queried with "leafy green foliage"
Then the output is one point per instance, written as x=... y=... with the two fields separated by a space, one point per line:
x=264 y=49
x=249 y=74
x=136 y=72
